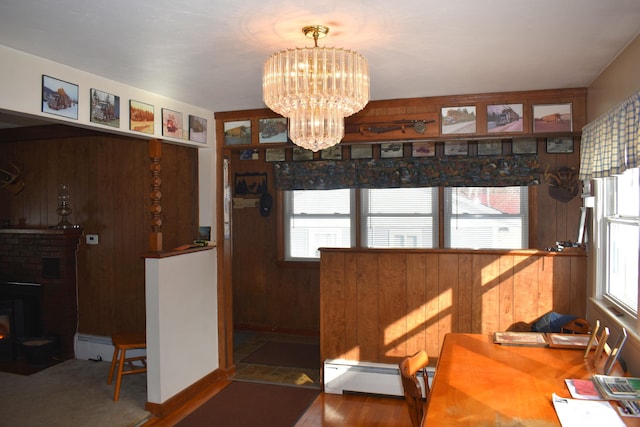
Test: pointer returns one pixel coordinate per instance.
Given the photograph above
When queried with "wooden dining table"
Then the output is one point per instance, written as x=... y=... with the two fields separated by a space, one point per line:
x=480 y=383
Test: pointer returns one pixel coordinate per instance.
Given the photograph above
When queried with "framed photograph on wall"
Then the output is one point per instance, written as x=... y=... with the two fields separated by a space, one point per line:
x=505 y=118
x=391 y=150
x=423 y=149
x=301 y=154
x=275 y=155
x=141 y=117
x=456 y=148
x=491 y=147
x=197 y=129
x=171 y=123
x=524 y=146
x=361 y=151
x=456 y=120
x=59 y=97
x=552 y=118
x=237 y=133
x=104 y=108
x=272 y=130
x=560 y=145
x=331 y=153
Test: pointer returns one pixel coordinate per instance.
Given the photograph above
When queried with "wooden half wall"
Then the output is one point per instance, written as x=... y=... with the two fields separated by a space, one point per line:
x=381 y=305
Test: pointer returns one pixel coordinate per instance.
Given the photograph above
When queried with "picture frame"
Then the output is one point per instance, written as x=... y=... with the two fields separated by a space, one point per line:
x=423 y=149
x=249 y=154
x=331 y=153
x=275 y=155
x=197 y=129
x=250 y=183
x=524 y=146
x=272 y=130
x=456 y=148
x=361 y=151
x=390 y=150
x=491 y=147
x=59 y=97
x=141 y=117
x=505 y=118
x=458 y=120
x=301 y=154
x=172 y=125
x=104 y=108
x=560 y=145
x=237 y=132
x=552 y=118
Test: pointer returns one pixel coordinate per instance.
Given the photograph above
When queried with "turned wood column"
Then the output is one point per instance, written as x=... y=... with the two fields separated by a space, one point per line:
x=155 y=155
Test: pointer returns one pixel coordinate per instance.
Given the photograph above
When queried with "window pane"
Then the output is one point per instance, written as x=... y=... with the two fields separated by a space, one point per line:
x=623 y=264
x=629 y=193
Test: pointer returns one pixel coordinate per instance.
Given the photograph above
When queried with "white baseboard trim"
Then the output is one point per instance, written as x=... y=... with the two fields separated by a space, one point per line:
x=95 y=347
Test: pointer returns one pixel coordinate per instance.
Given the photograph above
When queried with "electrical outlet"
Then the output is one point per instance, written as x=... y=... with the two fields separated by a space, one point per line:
x=92 y=239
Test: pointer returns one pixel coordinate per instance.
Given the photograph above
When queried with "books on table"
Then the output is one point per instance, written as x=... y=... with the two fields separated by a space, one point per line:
x=540 y=339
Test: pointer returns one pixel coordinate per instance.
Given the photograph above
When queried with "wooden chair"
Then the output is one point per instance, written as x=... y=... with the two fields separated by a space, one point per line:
x=411 y=385
x=122 y=343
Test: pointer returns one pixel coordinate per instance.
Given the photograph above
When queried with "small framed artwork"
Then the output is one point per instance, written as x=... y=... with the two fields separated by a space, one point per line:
x=301 y=154
x=456 y=148
x=171 y=123
x=552 y=118
x=423 y=149
x=504 y=118
x=59 y=97
x=361 y=151
x=141 y=117
x=274 y=155
x=272 y=130
x=457 y=120
x=331 y=153
x=197 y=129
x=251 y=154
x=560 y=145
x=490 y=147
x=237 y=133
x=105 y=108
x=524 y=146
x=250 y=183
x=390 y=150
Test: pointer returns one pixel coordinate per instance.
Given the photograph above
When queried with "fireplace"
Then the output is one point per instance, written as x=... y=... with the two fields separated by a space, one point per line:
x=20 y=316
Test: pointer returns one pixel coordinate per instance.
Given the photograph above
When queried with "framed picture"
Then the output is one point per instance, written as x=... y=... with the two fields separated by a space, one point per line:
x=141 y=117
x=274 y=155
x=423 y=149
x=456 y=148
x=490 y=147
x=457 y=120
x=197 y=129
x=300 y=154
x=250 y=183
x=331 y=153
x=171 y=123
x=552 y=118
x=560 y=145
x=237 y=133
x=250 y=154
x=390 y=150
x=361 y=151
x=59 y=97
x=105 y=108
x=524 y=146
x=272 y=130
x=504 y=118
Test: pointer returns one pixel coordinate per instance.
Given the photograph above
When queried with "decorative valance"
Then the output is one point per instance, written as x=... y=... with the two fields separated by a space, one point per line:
x=610 y=144
x=485 y=171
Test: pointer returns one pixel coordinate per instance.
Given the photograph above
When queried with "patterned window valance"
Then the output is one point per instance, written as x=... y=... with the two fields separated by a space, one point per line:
x=486 y=171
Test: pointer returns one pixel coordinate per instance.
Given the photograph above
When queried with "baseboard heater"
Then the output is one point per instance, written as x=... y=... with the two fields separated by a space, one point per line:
x=349 y=376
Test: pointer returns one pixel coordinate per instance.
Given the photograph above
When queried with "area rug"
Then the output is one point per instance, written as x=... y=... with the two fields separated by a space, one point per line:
x=23 y=368
x=292 y=355
x=243 y=403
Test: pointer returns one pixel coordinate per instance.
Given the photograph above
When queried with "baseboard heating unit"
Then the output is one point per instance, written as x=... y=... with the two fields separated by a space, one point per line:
x=349 y=376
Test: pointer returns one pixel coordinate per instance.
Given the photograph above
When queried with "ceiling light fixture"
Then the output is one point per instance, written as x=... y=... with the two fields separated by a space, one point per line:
x=316 y=88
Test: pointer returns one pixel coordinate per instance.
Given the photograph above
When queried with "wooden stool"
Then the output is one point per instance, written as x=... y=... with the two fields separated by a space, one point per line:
x=122 y=343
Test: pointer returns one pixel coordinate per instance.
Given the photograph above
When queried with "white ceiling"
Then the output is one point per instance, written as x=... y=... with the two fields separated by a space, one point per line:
x=209 y=53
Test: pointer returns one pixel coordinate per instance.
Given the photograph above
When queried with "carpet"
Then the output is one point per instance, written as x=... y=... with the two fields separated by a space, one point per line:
x=292 y=355
x=244 y=403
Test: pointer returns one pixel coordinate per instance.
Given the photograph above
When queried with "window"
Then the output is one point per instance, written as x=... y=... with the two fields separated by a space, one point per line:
x=619 y=230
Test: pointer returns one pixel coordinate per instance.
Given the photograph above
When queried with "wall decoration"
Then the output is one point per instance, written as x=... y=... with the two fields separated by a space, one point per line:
x=250 y=183
x=197 y=129
x=105 y=108
x=59 y=97
x=524 y=146
x=391 y=150
x=504 y=118
x=171 y=123
x=331 y=153
x=456 y=148
x=275 y=155
x=141 y=117
x=490 y=147
x=272 y=130
x=552 y=118
x=300 y=154
x=423 y=149
x=237 y=133
x=251 y=154
x=458 y=120
x=361 y=151
x=560 y=145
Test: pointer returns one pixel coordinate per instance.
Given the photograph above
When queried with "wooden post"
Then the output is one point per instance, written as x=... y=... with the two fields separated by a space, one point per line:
x=155 y=155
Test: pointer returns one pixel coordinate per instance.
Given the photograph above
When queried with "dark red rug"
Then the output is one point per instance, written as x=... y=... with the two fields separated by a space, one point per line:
x=291 y=355
x=244 y=403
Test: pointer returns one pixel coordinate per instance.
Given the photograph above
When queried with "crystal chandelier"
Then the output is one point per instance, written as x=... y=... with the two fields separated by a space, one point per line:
x=316 y=88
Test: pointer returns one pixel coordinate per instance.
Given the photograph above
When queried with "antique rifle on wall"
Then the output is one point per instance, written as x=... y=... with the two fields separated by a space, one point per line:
x=419 y=126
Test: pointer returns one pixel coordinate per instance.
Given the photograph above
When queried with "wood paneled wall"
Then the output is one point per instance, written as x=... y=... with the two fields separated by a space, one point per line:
x=380 y=305
x=109 y=180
